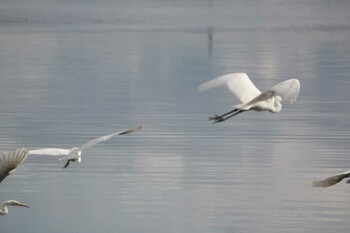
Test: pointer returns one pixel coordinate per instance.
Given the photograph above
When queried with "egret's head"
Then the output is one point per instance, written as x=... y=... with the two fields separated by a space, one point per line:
x=15 y=203
x=75 y=155
x=278 y=105
x=278 y=98
x=79 y=157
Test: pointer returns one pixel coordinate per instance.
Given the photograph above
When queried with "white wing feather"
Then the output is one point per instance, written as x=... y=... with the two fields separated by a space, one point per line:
x=10 y=160
x=288 y=90
x=50 y=152
x=105 y=138
x=239 y=84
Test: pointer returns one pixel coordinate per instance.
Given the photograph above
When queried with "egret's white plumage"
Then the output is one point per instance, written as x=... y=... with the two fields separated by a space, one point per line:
x=74 y=154
x=332 y=180
x=250 y=96
x=10 y=160
x=4 y=207
x=238 y=83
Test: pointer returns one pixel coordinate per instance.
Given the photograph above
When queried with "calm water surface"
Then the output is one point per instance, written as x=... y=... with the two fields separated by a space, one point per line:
x=75 y=70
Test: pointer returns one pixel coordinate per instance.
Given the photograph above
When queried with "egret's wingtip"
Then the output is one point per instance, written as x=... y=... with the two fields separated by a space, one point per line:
x=201 y=88
x=318 y=184
x=314 y=184
x=322 y=184
x=131 y=130
x=139 y=127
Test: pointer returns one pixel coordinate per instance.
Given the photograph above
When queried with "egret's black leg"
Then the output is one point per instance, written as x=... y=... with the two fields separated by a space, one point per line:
x=216 y=117
x=224 y=119
x=348 y=181
x=67 y=163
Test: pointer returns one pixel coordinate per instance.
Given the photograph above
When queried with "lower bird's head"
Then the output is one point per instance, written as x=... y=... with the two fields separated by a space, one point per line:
x=15 y=203
x=79 y=157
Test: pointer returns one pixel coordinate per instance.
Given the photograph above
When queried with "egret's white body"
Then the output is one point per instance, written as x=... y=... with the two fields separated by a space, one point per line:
x=332 y=180
x=250 y=96
x=74 y=154
x=4 y=207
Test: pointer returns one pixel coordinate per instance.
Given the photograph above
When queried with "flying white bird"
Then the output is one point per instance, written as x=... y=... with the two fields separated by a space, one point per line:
x=74 y=154
x=332 y=180
x=9 y=161
x=251 y=97
x=4 y=210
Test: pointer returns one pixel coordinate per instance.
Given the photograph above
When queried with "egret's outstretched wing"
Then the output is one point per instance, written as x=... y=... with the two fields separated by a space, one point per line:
x=10 y=160
x=332 y=180
x=288 y=90
x=50 y=152
x=104 y=138
x=239 y=84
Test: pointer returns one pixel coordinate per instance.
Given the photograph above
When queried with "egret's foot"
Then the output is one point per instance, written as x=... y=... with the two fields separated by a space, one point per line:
x=219 y=119
x=216 y=118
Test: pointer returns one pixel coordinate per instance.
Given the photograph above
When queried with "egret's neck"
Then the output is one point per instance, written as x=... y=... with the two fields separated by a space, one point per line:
x=4 y=210
x=277 y=104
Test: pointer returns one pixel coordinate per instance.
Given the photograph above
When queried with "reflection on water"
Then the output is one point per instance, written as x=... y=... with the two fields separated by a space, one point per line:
x=70 y=74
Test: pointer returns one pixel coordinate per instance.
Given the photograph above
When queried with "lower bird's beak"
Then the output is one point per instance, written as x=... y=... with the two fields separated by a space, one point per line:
x=23 y=205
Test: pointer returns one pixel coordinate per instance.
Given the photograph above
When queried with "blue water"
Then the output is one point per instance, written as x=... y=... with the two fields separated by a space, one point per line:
x=71 y=71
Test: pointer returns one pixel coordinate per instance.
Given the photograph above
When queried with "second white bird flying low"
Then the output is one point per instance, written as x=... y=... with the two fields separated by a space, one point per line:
x=9 y=161
x=74 y=154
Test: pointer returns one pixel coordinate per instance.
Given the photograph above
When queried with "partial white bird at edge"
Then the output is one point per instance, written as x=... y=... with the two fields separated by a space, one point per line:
x=9 y=161
x=332 y=180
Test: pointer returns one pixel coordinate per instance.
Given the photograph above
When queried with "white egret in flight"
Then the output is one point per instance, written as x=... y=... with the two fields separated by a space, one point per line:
x=251 y=97
x=332 y=180
x=74 y=154
x=4 y=210
x=9 y=161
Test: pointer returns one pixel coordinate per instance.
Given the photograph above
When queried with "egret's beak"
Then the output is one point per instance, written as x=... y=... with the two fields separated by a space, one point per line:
x=23 y=205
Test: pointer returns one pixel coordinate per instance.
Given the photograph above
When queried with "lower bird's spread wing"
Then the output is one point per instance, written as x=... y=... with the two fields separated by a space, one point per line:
x=10 y=160
x=288 y=90
x=239 y=84
x=105 y=137
x=50 y=152
x=332 y=180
